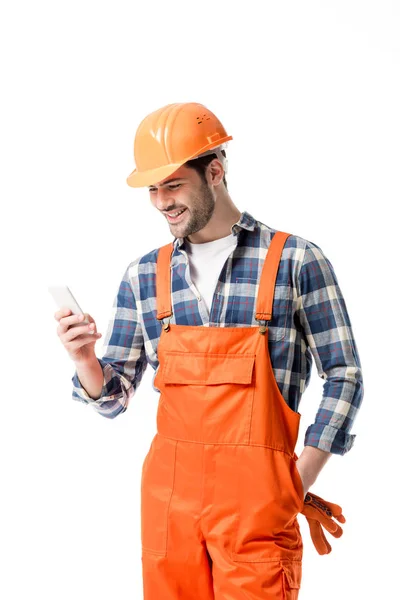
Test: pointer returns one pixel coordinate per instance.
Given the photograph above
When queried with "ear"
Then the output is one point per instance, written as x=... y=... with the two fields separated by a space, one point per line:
x=215 y=172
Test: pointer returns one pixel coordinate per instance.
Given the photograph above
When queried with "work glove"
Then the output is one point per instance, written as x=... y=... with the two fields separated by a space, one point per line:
x=319 y=512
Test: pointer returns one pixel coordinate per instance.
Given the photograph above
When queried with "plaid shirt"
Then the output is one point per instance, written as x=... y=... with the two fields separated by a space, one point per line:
x=309 y=319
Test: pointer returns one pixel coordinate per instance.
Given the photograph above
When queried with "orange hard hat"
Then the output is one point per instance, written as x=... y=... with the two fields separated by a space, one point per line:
x=169 y=137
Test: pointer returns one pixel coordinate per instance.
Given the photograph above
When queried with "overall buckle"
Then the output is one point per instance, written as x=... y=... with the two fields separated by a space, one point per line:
x=166 y=325
x=263 y=324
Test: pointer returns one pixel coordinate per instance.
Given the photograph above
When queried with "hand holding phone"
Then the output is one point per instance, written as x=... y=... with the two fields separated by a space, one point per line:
x=64 y=298
x=77 y=330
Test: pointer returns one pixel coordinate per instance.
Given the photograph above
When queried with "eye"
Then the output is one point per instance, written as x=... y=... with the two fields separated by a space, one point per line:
x=174 y=186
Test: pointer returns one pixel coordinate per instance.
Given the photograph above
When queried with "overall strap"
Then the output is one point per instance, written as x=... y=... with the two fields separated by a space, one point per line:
x=266 y=288
x=163 y=281
x=268 y=277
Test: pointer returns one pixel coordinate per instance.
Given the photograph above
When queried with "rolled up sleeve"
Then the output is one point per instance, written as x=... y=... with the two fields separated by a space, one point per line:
x=124 y=358
x=329 y=337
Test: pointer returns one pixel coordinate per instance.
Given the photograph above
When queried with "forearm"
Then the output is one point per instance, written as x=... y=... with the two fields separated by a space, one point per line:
x=310 y=463
x=91 y=376
x=328 y=336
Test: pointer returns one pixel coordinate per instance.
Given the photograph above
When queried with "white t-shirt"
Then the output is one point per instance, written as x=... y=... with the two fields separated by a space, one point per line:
x=206 y=262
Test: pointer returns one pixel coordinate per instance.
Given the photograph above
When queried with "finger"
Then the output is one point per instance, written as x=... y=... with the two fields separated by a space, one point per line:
x=338 y=532
x=313 y=512
x=336 y=510
x=318 y=537
x=340 y=518
x=330 y=525
x=74 y=332
x=62 y=312
x=66 y=322
x=83 y=340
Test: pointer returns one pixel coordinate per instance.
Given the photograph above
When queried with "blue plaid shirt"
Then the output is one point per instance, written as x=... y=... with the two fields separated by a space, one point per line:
x=309 y=320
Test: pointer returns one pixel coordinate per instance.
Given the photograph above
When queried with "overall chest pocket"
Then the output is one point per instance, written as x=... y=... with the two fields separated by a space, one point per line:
x=243 y=307
x=206 y=397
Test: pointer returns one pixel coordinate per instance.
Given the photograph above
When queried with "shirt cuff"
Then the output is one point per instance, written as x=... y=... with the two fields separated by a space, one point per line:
x=79 y=392
x=328 y=438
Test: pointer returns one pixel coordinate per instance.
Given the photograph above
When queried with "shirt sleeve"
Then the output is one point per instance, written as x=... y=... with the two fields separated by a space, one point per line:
x=124 y=358
x=329 y=337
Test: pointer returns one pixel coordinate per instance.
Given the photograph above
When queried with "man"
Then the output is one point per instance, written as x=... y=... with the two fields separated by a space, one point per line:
x=229 y=315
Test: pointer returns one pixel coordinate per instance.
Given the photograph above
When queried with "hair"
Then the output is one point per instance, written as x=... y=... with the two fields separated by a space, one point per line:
x=200 y=165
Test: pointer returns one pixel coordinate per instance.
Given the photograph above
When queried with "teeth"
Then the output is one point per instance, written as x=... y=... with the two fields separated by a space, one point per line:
x=176 y=214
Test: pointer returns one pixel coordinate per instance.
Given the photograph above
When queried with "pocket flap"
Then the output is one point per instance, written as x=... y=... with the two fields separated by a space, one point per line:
x=207 y=369
x=292 y=570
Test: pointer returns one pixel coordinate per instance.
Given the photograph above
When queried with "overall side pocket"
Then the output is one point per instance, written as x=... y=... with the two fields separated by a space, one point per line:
x=291 y=579
x=157 y=486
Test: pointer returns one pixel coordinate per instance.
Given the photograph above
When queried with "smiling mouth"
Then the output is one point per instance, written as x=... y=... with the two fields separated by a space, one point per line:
x=174 y=219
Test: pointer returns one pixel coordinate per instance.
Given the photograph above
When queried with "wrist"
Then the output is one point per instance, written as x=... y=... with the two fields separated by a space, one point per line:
x=87 y=363
x=310 y=463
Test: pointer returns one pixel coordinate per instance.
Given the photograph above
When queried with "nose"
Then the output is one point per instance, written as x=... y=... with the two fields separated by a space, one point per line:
x=163 y=199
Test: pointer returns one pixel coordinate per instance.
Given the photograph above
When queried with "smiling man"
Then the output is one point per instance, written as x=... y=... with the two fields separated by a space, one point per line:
x=189 y=201
x=229 y=315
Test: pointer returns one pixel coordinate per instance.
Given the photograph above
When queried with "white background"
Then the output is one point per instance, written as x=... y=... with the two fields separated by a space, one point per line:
x=310 y=92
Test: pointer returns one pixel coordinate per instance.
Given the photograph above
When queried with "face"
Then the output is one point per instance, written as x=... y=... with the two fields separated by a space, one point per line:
x=187 y=202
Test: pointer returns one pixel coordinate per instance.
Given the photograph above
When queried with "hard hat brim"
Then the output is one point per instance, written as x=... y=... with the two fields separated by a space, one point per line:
x=137 y=179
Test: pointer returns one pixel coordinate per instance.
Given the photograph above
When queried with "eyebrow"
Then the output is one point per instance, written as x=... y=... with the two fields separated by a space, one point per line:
x=168 y=181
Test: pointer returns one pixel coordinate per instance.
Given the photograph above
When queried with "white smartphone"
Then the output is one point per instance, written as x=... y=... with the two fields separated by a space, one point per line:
x=63 y=297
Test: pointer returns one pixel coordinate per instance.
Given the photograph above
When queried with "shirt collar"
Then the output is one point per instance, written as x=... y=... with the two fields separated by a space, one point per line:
x=246 y=221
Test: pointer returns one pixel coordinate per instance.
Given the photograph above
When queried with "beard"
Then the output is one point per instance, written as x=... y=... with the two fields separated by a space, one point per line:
x=203 y=206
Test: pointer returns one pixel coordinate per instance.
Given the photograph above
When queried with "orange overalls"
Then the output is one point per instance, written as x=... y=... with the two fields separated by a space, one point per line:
x=220 y=487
